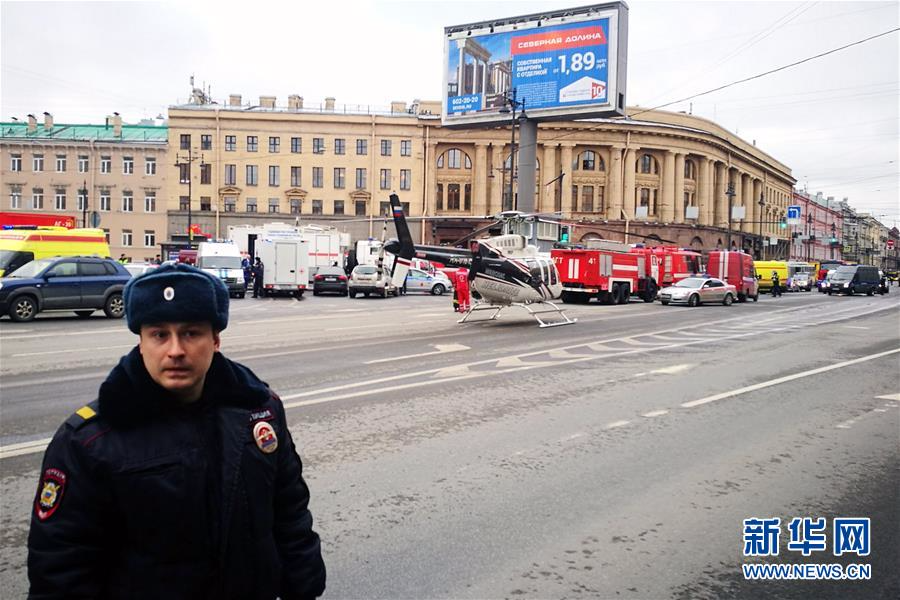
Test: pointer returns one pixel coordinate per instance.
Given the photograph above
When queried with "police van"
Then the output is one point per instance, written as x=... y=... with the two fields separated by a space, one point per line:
x=223 y=259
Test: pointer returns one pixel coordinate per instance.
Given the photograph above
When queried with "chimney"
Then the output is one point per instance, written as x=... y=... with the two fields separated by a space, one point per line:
x=329 y=104
x=117 y=125
x=267 y=101
x=32 y=124
x=234 y=100
x=398 y=107
x=295 y=102
x=48 y=122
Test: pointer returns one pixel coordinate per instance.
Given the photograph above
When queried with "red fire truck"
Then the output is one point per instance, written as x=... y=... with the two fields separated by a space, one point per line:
x=737 y=269
x=670 y=264
x=14 y=220
x=607 y=273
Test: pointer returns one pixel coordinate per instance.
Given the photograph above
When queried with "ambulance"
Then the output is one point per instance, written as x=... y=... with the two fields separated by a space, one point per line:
x=20 y=246
x=737 y=269
x=764 y=270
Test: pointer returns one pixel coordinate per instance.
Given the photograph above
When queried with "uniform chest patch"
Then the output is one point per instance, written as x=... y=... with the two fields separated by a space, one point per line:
x=53 y=485
x=265 y=437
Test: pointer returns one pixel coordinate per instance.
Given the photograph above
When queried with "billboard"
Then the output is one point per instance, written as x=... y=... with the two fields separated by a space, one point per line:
x=563 y=64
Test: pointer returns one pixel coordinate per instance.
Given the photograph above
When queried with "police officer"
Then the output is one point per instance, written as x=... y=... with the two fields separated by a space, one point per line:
x=181 y=480
x=258 y=271
x=776 y=284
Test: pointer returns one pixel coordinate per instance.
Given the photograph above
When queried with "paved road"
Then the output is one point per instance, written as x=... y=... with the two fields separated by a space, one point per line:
x=615 y=458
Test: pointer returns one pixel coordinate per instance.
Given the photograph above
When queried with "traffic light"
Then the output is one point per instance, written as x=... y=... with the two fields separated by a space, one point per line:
x=564 y=234
x=783 y=223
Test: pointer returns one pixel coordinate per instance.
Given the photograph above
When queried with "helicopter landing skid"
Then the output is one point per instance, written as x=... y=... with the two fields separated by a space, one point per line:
x=545 y=307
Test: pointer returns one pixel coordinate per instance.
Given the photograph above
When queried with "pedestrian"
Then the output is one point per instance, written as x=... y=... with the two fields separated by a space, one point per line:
x=248 y=272
x=157 y=260
x=776 y=285
x=181 y=480
x=259 y=270
x=123 y=259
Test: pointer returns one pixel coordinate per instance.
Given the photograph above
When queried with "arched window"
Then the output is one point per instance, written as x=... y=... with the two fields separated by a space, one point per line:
x=697 y=243
x=588 y=161
x=454 y=158
x=690 y=170
x=648 y=165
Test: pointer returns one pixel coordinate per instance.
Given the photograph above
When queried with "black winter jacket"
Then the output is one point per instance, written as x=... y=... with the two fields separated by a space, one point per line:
x=149 y=498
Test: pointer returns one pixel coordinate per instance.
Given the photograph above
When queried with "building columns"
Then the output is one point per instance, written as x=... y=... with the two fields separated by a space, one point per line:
x=568 y=203
x=479 y=198
x=705 y=198
x=749 y=204
x=628 y=199
x=498 y=180
x=720 y=201
x=679 y=188
x=614 y=179
x=549 y=172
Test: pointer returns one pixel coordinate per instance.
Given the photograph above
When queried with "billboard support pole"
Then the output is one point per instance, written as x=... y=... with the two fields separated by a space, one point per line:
x=527 y=164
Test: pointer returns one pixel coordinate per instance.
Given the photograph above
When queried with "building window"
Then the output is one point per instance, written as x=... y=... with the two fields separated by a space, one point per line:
x=150 y=165
x=360 y=208
x=689 y=169
x=453 y=196
x=405 y=147
x=37 y=163
x=340 y=175
x=15 y=197
x=318 y=176
x=205 y=173
x=252 y=174
x=184 y=172
x=405 y=179
x=83 y=163
x=230 y=143
x=274 y=205
x=274 y=144
x=648 y=165
x=37 y=199
x=317 y=207
x=362 y=147
x=60 y=163
x=385 y=147
x=296 y=176
x=385 y=179
x=251 y=205
x=296 y=145
x=127 y=201
x=648 y=199
x=150 y=202
x=340 y=146
x=126 y=237
x=274 y=175
x=439 y=197
x=82 y=201
x=318 y=145
x=230 y=174
x=295 y=206
x=60 y=203
x=467 y=198
x=184 y=203
x=15 y=162
x=105 y=164
x=127 y=165
x=230 y=204
x=205 y=203
x=338 y=207
x=252 y=143
x=106 y=235
x=205 y=142
x=587 y=198
x=601 y=193
x=149 y=238
x=360 y=179
x=185 y=143
x=105 y=201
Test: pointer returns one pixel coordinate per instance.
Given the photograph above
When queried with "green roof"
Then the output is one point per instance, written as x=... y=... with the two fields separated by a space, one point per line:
x=100 y=133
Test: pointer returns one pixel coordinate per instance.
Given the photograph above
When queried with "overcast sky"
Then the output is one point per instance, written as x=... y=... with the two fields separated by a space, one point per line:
x=834 y=120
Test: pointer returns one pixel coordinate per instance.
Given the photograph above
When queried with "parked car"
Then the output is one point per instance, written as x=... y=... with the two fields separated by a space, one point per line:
x=854 y=279
x=330 y=279
x=801 y=281
x=364 y=280
x=139 y=268
x=418 y=280
x=825 y=284
x=80 y=284
x=694 y=291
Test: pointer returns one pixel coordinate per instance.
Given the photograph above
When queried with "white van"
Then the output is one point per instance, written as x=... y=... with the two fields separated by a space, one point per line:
x=285 y=266
x=223 y=259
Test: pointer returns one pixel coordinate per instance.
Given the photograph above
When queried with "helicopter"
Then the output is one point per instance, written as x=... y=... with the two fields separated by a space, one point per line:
x=504 y=271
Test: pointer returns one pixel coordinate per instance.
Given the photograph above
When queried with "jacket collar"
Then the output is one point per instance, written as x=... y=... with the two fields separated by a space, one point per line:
x=129 y=396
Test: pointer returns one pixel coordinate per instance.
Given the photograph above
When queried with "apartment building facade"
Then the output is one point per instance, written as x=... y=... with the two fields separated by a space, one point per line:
x=117 y=171
x=818 y=236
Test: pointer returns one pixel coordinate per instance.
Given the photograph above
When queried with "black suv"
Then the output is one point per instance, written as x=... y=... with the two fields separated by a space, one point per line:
x=81 y=284
x=854 y=279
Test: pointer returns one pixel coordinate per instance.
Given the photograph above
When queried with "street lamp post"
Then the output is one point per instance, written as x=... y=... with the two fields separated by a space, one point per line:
x=762 y=229
x=809 y=220
x=511 y=104
x=84 y=195
x=189 y=161
x=730 y=193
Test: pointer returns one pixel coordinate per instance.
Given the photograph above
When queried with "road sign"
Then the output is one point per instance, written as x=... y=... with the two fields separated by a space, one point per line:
x=793 y=214
x=890 y=243
x=95 y=219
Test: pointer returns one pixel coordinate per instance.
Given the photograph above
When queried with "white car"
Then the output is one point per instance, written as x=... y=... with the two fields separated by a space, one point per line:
x=139 y=268
x=435 y=283
x=364 y=280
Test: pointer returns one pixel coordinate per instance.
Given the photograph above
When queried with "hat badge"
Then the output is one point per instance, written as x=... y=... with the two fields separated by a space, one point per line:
x=264 y=435
x=169 y=293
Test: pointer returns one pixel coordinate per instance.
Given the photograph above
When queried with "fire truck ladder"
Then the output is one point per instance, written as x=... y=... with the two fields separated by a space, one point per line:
x=543 y=307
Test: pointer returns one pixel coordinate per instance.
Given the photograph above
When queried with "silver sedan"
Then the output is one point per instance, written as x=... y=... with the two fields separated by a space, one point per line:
x=694 y=291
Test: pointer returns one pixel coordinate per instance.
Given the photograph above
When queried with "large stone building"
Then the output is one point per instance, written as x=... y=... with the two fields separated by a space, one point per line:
x=114 y=169
x=655 y=176
x=818 y=236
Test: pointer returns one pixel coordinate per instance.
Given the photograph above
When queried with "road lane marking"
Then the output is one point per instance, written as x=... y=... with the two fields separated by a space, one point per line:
x=854 y=327
x=674 y=369
x=74 y=350
x=46 y=380
x=655 y=413
x=440 y=349
x=780 y=380
x=615 y=424
x=894 y=397
x=24 y=448
x=846 y=424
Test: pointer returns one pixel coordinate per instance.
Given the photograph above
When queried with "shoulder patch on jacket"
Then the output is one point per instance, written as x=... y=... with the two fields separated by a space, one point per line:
x=86 y=413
